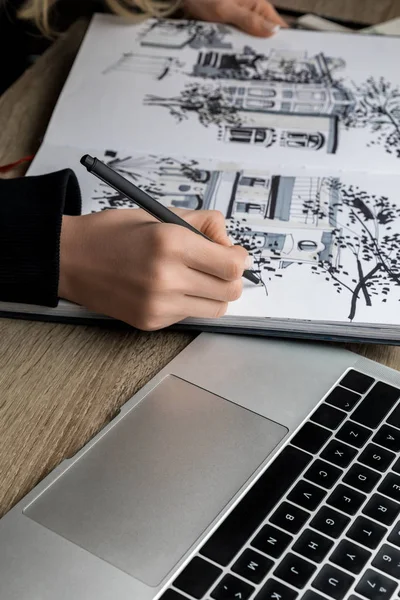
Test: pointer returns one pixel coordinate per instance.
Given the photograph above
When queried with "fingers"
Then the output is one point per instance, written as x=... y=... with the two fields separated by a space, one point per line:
x=226 y=263
x=220 y=259
x=202 y=308
x=271 y=14
x=202 y=285
x=209 y=222
x=256 y=17
x=251 y=22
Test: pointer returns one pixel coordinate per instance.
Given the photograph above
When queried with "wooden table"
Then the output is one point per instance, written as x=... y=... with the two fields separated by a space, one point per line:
x=60 y=384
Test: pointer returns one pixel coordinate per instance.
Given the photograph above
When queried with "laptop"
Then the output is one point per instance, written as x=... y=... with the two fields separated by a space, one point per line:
x=247 y=469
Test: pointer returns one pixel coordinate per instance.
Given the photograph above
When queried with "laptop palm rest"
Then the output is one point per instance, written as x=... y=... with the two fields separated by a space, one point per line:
x=143 y=494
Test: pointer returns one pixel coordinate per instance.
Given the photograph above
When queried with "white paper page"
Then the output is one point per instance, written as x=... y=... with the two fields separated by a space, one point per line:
x=327 y=245
x=298 y=98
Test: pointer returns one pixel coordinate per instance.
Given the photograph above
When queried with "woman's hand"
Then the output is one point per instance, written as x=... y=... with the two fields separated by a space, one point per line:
x=127 y=265
x=257 y=17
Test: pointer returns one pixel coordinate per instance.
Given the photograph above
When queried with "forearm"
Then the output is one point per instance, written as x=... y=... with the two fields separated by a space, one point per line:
x=31 y=210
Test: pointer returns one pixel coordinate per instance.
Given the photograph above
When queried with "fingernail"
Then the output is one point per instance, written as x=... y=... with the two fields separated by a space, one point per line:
x=248 y=263
x=232 y=241
x=271 y=27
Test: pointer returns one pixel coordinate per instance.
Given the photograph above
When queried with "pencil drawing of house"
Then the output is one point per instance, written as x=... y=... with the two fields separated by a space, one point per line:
x=297 y=87
x=289 y=219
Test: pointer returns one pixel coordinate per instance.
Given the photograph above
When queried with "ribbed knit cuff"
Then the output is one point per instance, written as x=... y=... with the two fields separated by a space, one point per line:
x=31 y=210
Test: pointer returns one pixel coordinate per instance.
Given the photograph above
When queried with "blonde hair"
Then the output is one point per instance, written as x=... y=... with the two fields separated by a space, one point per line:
x=39 y=10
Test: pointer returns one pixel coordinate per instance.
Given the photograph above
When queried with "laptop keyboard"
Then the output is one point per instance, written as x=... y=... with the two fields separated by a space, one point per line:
x=323 y=520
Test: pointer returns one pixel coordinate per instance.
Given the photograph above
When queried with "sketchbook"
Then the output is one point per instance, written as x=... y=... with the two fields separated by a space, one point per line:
x=295 y=139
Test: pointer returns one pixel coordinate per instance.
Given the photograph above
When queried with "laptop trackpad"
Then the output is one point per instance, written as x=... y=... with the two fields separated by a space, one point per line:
x=142 y=496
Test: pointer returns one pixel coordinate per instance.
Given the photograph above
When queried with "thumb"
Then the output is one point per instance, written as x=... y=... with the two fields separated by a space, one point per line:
x=251 y=22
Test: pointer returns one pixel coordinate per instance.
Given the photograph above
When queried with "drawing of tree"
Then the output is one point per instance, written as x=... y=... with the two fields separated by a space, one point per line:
x=364 y=258
x=212 y=105
x=378 y=109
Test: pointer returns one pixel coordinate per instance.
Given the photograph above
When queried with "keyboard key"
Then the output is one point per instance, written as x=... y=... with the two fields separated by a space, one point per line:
x=376 y=457
x=333 y=582
x=329 y=521
x=232 y=588
x=345 y=499
x=394 y=537
x=274 y=590
x=252 y=566
x=271 y=541
x=289 y=517
x=311 y=438
x=197 y=578
x=307 y=495
x=328 y=416
x=310 y=595
x=312 y=545
x=376 y=405
x=366 y=532
x=342 y=398
x=375 y=586
x=388 y=437
x=388 y=561
x=295 y=570
x=356 y=381
x=172 y=595
x=390 y=486
x=262 y=497
x=323 y=474
x=382 y=509
x=361 y=478
x=350 y=556
x=394 y=418
x=396 y=466
x=338 y=453
x=353 y=434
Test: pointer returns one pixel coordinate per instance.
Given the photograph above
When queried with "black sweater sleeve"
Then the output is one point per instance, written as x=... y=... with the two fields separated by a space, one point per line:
x=31 y=210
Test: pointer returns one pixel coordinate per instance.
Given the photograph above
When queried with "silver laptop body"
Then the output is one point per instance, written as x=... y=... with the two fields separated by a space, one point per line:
x=126 y=515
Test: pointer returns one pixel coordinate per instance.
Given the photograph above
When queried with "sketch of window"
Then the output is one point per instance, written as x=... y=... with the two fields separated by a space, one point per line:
x=307 y=95
x=254 y=182
x=259 y=104
x=251 y=135
x=189 y=201
x=250 y=208
x=298 y=139
x=260 y=91
x=303 y=107
x=307 y=245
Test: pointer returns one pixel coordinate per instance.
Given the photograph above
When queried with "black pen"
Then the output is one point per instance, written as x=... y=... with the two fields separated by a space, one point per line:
x=142 y=199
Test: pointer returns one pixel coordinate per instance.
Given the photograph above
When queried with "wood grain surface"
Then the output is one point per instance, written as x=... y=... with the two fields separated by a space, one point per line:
x=60 y=384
